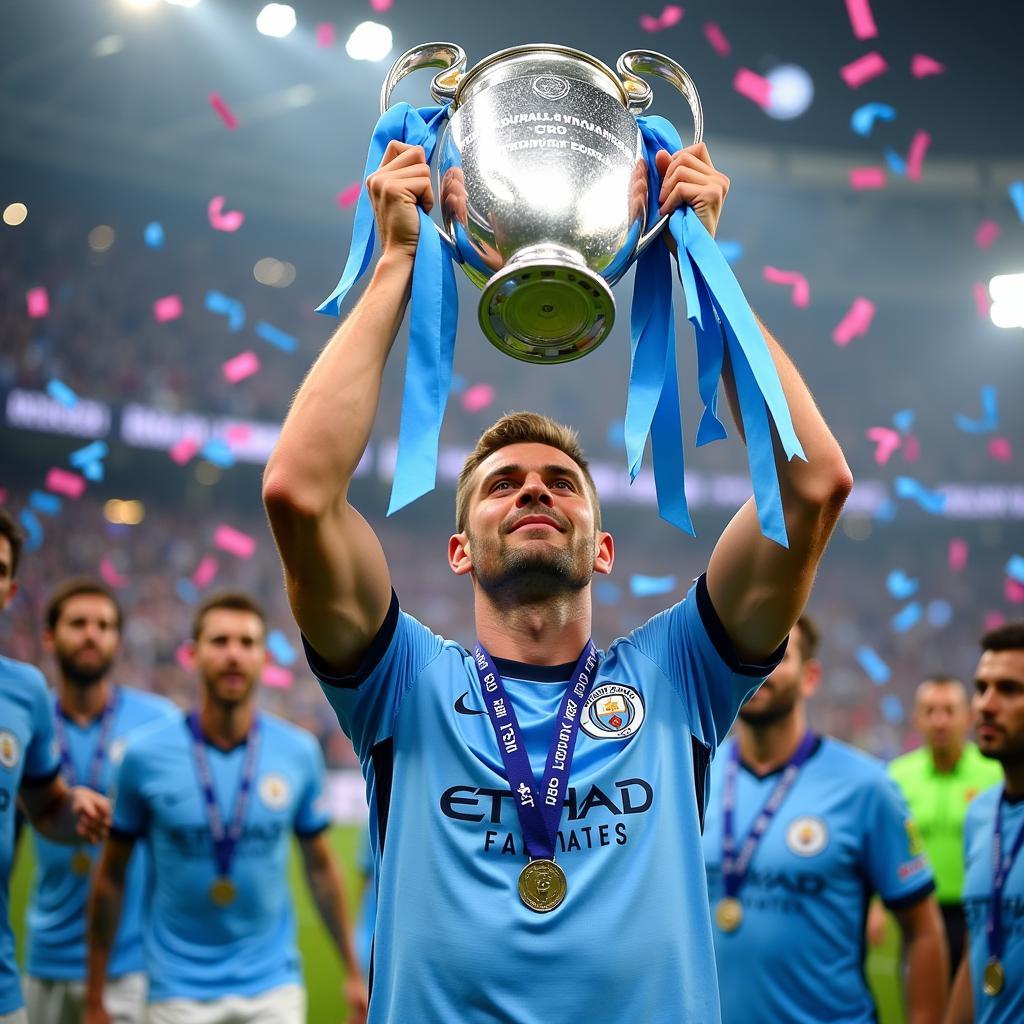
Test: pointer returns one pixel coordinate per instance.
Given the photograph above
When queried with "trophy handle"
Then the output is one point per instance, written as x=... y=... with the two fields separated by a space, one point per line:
x=648 y=62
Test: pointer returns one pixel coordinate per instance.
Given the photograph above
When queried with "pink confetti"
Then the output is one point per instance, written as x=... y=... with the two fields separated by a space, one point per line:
x=987 y=233
x=69 y=485
x=1013 y=591
x=886 y=441
x=911 y=448
x=380 y=6
x=1000 y=450
x=3 y=496
x=957 y=554
x=223 y=110
x=801 y=295
x=981 y=299
x=753 y=86
x=221 y=221
x=245 y=364
x=183 y=450
x=716 y=37
x=183 y=656
x=671 y=15
x=993 y=620
x=478 y=397
x=324 y=34
x=278 y=677
x=111 y=575
x=234 y=542
x=861 y=18
x=915 y=158
x=867 y=177
x=167 y=308
x=922 y=66
x=855 y=323
x=238 y=433
x=38 y=302
x=349 y=196
x=863 y=69
x=206 y=571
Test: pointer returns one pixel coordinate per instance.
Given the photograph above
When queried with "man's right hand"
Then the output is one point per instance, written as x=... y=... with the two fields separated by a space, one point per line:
x=397 y=189
x=95 y=1013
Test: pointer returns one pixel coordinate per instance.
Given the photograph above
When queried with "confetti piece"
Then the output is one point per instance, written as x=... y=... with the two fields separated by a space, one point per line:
x=885 y=511
x=801 y=294
x=1015 y=568
x=993 y=620
x=755 y=87
x=732 y=251
x=216 y=302
x=892 y=709
x=93 y=472
x=33 y=529
x=478 y=397
x=153 y=236
x=280 y=649
x=238 y=433
x=886 y=442
x=863 y=118
x=111 y=576
x=608 y=592
x=223 y=110
x=716 y=37
x=349 y=196
x=219 y=452
x=982 y=302
x=863 y=69
x=167 y=308
x=459 y=384
x=1000 y=450
x=861 y=19
x=906 y=618
x=903 y=420
x=670 y=15
x=877 y=670
x=277 y=677
x=986 y=234
x=61 y=393
x=931 y=501
x=325 y=34
x=268 y=332
x=900 y=585
x=245 y=364
x=617 y=434
x=911 y=449
x=939 y=613
x=896 y=163
x=862 y=178
x=915 y=157
x=186 y=590
x=37 y=301
x=234 y=542
x=60 y=481
x=651 y=586
x=206 y=571
x=856 y=322
x=1013 y=591
x=380 y=6
x=183 y=450
x=1016 y=190
x=91 y=453
x=48 y=504
x=957 y=554
x=183 y=656
x=922 y=66
x=232 y=220
x=990 y=415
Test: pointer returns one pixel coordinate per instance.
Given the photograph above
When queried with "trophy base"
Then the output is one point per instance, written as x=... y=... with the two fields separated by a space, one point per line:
x=546 y=310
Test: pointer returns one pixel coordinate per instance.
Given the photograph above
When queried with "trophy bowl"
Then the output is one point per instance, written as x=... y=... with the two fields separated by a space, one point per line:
x=542 y=184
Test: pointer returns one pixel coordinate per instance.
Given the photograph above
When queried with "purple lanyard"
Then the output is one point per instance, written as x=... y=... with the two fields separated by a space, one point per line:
x=734 y=868
x=1000 y=869
x=224 y=840
x=539 y=806
x=98 y=755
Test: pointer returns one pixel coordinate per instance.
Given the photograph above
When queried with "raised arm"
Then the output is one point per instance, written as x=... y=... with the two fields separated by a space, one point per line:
x=335 y=570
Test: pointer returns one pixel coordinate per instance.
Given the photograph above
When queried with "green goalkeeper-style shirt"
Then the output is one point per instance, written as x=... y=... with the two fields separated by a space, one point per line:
x=938 y=802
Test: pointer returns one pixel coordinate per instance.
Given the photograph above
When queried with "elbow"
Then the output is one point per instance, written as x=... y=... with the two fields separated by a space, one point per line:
x=288 y=499
x=828 y=485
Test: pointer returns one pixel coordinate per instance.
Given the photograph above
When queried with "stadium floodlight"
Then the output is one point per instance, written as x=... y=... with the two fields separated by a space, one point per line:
x=181 y=3
x=369 y=41
x=140 y=5
x=1007 y=291
x=15 y=214
x=792 y=92
x=277 y=20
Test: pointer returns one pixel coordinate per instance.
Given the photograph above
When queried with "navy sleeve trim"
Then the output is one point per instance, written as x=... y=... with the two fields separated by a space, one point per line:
x=371 y=659
x=124 y=834
x=36 y=781
x=722 y=642
x=311 y=833
x=915 y=897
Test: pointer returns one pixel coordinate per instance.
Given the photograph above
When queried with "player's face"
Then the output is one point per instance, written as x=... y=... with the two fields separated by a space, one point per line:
x=999 y=705
x=7 y=584
x=230 y=654
x=942 y=716
x=85 y=638
x=784 y=688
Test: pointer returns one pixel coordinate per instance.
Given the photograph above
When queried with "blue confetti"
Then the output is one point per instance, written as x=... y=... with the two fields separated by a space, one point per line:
x=1015 y=568
x=277 y=337
x=608 y=592
x=216 y=302
x=459 y=383
x=187 y=590
x=651 y=586
x=903 y=420
x=906 y=618
x=48 y=504
x=60 y=392
x=93 y=472
x=33 y=529
x=886 y=511
x=1016 y=190
x=989 y=420
x=939 y=613
x=217 y=451
x=877 y=670
x=892 y=709
x=617 y=435
x=900 y=585
x=282 y=651
x=931 y=501
x=896 y=163
x=863 y=118
x=731 y=250
x=90 y=453
x=154 y=235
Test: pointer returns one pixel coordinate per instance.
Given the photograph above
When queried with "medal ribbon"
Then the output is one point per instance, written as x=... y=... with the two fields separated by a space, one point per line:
x=225 y=840
x=539 y=807
x=102 y=742
x=734 y=868
x=1000 y=869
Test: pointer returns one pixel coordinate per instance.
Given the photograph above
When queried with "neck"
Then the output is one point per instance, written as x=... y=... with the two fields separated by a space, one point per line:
x=550 y=632
x=225 y=725
x=946 y=760
x=83 y=704
x=1013 y=781
x=766 y=746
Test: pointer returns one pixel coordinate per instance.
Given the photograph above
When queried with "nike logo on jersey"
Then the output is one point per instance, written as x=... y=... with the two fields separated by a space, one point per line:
x=460 y=706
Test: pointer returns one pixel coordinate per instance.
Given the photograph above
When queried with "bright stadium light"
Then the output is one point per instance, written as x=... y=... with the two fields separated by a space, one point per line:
x=15 y=214
x=792 y=92
x=277 y=20
x=369 y=41
x=181 y=3
x=140 y=5
x=1007 y=291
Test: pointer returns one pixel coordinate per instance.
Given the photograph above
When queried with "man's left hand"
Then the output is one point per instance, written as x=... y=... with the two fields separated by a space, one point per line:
x=688 y=176
x=92 y=814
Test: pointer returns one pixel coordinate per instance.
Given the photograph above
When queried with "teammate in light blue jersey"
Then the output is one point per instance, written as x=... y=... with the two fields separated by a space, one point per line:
x=789 y=923
x=93 y=719
x=609 y=919
x=216 y=797
x=989 y=985
x=30 y=774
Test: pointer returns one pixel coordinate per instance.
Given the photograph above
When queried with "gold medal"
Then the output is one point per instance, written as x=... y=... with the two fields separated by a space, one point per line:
x=994 y=977
x=729 y=914
x=542 y=885
x=223 y=892
x=81 y=863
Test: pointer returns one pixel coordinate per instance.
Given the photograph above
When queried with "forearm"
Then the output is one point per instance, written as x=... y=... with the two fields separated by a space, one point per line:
x=57 y=820
x=927 y=977
x=328 y=895
x=960 y=1009
x=104 y=917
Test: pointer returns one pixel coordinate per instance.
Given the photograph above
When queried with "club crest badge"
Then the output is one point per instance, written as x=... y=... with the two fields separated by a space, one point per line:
x=274 y=792
x=551 y=87
x=117 y=749
x=613 y=711
x=10 y=749
x=807 y=837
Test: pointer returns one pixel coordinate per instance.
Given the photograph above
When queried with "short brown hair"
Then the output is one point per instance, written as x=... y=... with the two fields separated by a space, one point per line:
x=233 y=600
x=808 y=638
x=76 y=586
x=1007 y=637
x=11 y=529
x=521 y=428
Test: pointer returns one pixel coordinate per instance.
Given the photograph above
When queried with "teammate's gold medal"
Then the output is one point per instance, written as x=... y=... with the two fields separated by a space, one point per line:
x=81 y=863
x=542 y=885
x=223 y=892
x=729 y=913
x=994 y=977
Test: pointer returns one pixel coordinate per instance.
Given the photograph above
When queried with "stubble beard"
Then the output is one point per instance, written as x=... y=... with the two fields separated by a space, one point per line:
x=531 y=577
x=781 y=706
x=79 y=676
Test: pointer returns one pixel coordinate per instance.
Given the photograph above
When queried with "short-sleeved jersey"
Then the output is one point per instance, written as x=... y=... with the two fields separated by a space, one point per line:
x=938 y=801
x=842 y=833
x=367 y=915
x=1008 y=1006
x=632 y=939
x=195 y=949
x=56 y=916
x=28 y=757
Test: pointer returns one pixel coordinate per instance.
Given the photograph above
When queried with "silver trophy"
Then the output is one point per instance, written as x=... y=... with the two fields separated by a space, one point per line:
x=542 y=184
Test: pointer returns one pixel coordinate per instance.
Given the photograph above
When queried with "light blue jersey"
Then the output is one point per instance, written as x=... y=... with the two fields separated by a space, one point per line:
x=57 y=908
x=632 y=939
x=195 y=949
x=28 y=756
x=1008 y=1006
x=842 y=833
